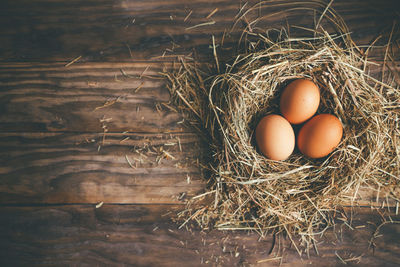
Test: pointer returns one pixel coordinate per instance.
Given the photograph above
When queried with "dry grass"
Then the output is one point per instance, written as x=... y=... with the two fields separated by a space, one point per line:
x=296 y=196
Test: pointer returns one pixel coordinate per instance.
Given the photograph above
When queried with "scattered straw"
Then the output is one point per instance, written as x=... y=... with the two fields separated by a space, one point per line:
x=270 y=259
x=212 y=13
x=73 y=61
x=108 y=103
x=201 y=25
x=129 y=50
x=298 y=196
x=188 y=15
x=129 y=162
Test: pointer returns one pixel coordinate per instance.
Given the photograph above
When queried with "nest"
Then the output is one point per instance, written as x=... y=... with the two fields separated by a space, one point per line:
x=298 y=196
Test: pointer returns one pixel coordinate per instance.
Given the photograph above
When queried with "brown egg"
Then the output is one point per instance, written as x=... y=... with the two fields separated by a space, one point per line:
x=275 y=137
x=319 y=136
x=299 y=101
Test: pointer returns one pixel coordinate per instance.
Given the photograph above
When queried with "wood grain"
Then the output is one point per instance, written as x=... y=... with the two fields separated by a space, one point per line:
x=59 y=168
x=70 y=168
x=67 y=132
x=142 y=235
x=49 y=30
x=50 y=97
x=85 y=97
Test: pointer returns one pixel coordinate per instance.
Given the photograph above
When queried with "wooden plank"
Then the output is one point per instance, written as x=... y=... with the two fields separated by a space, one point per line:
x=70 y=168
x=93 y=167
x=39 y=97
x=51 y=97
x=142 y=235
x=49 y=30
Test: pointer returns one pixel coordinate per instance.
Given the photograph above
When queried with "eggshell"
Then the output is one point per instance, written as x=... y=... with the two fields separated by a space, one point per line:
x=299 y=101
x=275 y=137
x=319 y=136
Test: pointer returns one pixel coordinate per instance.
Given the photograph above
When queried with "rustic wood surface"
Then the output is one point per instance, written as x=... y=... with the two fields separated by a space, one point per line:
x=142 y=235
x=102 y=30
x=69 y=168
x=82 y=122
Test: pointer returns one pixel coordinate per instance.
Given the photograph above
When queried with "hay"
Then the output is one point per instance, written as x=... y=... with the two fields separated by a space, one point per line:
x=298 y=196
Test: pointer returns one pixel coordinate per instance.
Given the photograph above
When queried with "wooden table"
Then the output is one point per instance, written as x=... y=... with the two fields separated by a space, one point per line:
x=83 y=176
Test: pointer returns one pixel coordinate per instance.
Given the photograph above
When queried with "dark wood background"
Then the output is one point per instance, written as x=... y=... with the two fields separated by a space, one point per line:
x=67 y=132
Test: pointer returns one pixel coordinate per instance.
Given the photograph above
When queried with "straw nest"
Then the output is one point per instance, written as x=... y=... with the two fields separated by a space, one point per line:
x=297 y=196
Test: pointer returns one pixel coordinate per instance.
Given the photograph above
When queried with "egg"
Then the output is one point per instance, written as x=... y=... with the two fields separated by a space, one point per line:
x=275 y=137
x=319 y=136
x=299 y=101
